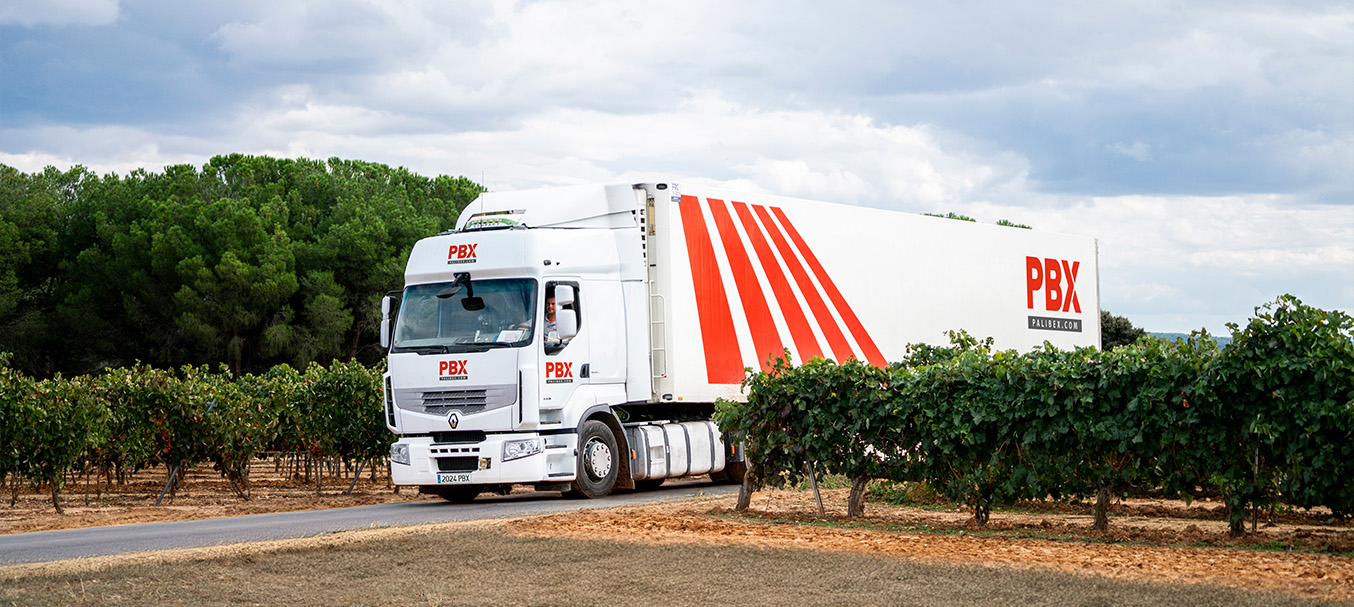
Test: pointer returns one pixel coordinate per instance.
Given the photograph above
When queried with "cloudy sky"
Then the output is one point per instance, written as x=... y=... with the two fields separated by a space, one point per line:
x=1209 y=146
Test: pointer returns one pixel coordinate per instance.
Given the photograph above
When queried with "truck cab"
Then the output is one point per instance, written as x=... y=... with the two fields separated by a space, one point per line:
x=521 y=352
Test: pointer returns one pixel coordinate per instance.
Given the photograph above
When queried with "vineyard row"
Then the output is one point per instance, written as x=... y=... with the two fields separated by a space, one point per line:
x=132 y=418
x=1268 y=420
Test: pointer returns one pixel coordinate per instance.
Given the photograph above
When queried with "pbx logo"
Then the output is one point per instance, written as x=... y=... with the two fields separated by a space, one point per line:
x=1050 y=274
x=1057 y=278
x=462 y=253
x=449 y=370
x=559 y=373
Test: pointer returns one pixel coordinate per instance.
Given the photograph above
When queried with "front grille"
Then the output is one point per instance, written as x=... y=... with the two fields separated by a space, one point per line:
x=455 y=398
x=459 y=437
x=445 y=409
x=466 y=402
x=458 y=464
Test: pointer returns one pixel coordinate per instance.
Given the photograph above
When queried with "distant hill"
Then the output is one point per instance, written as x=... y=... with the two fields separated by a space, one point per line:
x=1223 y=340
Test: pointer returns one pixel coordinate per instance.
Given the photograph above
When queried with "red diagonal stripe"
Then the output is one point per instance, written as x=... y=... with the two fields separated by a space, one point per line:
x=872 y=353
x=765 y=337
x=841 y=350
x=723 y=362
x=805 y=343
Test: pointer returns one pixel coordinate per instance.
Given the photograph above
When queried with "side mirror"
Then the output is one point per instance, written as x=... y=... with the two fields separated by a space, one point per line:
x=566 y=321
x=387 y=303
x=385 y=322
x=564 y=295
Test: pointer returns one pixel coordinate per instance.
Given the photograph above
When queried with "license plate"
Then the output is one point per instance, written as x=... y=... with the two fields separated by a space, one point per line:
x=453 y=478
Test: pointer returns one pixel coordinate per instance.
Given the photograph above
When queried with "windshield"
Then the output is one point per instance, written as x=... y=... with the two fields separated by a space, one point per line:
x=473 y=314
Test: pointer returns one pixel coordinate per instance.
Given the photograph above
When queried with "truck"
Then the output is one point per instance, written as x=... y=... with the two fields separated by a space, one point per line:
x=576 y=338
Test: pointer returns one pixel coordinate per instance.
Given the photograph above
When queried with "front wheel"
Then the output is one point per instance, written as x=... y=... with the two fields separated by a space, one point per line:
x=598 y=462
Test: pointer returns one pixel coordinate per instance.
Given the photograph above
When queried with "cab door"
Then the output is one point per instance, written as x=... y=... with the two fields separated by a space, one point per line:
x=564 y=360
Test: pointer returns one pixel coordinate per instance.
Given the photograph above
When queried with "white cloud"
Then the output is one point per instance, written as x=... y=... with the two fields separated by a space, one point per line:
x=1251 y=46
x=351 y=36
x=1189 y=59
x=1171 y=263
x=1210 y=259
x=810 y=153
x=59 y=12
x=102 y=149
x=881 y=104
x=1138 y=151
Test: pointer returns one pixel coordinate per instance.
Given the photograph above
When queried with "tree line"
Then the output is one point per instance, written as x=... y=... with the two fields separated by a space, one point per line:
x=1269 y=420
x=249 y=260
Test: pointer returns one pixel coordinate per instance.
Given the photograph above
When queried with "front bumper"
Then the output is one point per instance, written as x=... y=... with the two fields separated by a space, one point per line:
x=555 y=464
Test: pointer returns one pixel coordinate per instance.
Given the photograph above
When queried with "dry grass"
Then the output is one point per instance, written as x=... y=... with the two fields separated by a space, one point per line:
x=479 y=564
x=690 y=552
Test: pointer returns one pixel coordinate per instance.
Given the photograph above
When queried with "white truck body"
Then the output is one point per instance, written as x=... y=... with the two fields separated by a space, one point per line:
x=675 y=293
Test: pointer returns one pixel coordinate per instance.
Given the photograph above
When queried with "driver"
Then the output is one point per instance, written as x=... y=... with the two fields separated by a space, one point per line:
x=551 y=334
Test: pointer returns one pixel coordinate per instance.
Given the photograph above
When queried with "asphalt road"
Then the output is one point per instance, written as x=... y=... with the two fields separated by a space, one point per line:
x=43 y=546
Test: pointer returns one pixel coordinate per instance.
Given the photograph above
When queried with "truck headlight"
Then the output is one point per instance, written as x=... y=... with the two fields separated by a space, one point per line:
x=518 y=449
x=399 y=453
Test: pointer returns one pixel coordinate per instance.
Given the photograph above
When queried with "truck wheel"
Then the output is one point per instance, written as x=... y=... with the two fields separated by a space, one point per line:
x=597 y=461
x=459 y=494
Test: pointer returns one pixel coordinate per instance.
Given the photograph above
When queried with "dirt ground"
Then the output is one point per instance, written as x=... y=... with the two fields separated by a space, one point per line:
x=1157 y=541
x=1303 y=554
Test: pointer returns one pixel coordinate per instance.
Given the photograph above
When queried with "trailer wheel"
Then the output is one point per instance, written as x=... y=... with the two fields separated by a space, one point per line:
x=459 y=494
x=597 y=462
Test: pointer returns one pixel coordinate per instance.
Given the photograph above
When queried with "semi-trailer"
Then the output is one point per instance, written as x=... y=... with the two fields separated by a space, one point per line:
x=576 y=338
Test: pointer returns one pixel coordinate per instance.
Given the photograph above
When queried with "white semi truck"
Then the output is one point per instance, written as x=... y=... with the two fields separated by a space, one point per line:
x=575 y=339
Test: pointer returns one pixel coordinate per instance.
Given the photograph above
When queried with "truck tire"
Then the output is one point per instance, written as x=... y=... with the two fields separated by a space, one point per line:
x=597 y=461
x=459 y=494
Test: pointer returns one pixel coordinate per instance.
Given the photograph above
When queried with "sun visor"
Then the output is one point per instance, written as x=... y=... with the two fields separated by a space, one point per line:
x=581 y=206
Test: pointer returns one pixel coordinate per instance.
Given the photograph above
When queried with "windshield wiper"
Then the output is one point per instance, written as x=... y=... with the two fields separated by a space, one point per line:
x=435 y=349
x=483 y=346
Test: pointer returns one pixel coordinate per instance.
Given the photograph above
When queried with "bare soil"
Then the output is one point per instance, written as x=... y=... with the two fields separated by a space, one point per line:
x=1148 y=540
x=1302 y=554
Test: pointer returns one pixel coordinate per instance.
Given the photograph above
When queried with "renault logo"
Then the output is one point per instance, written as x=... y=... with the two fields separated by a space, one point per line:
x=453 y=419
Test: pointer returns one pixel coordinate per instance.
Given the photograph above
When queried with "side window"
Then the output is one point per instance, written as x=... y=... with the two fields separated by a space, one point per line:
x=551 y=339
